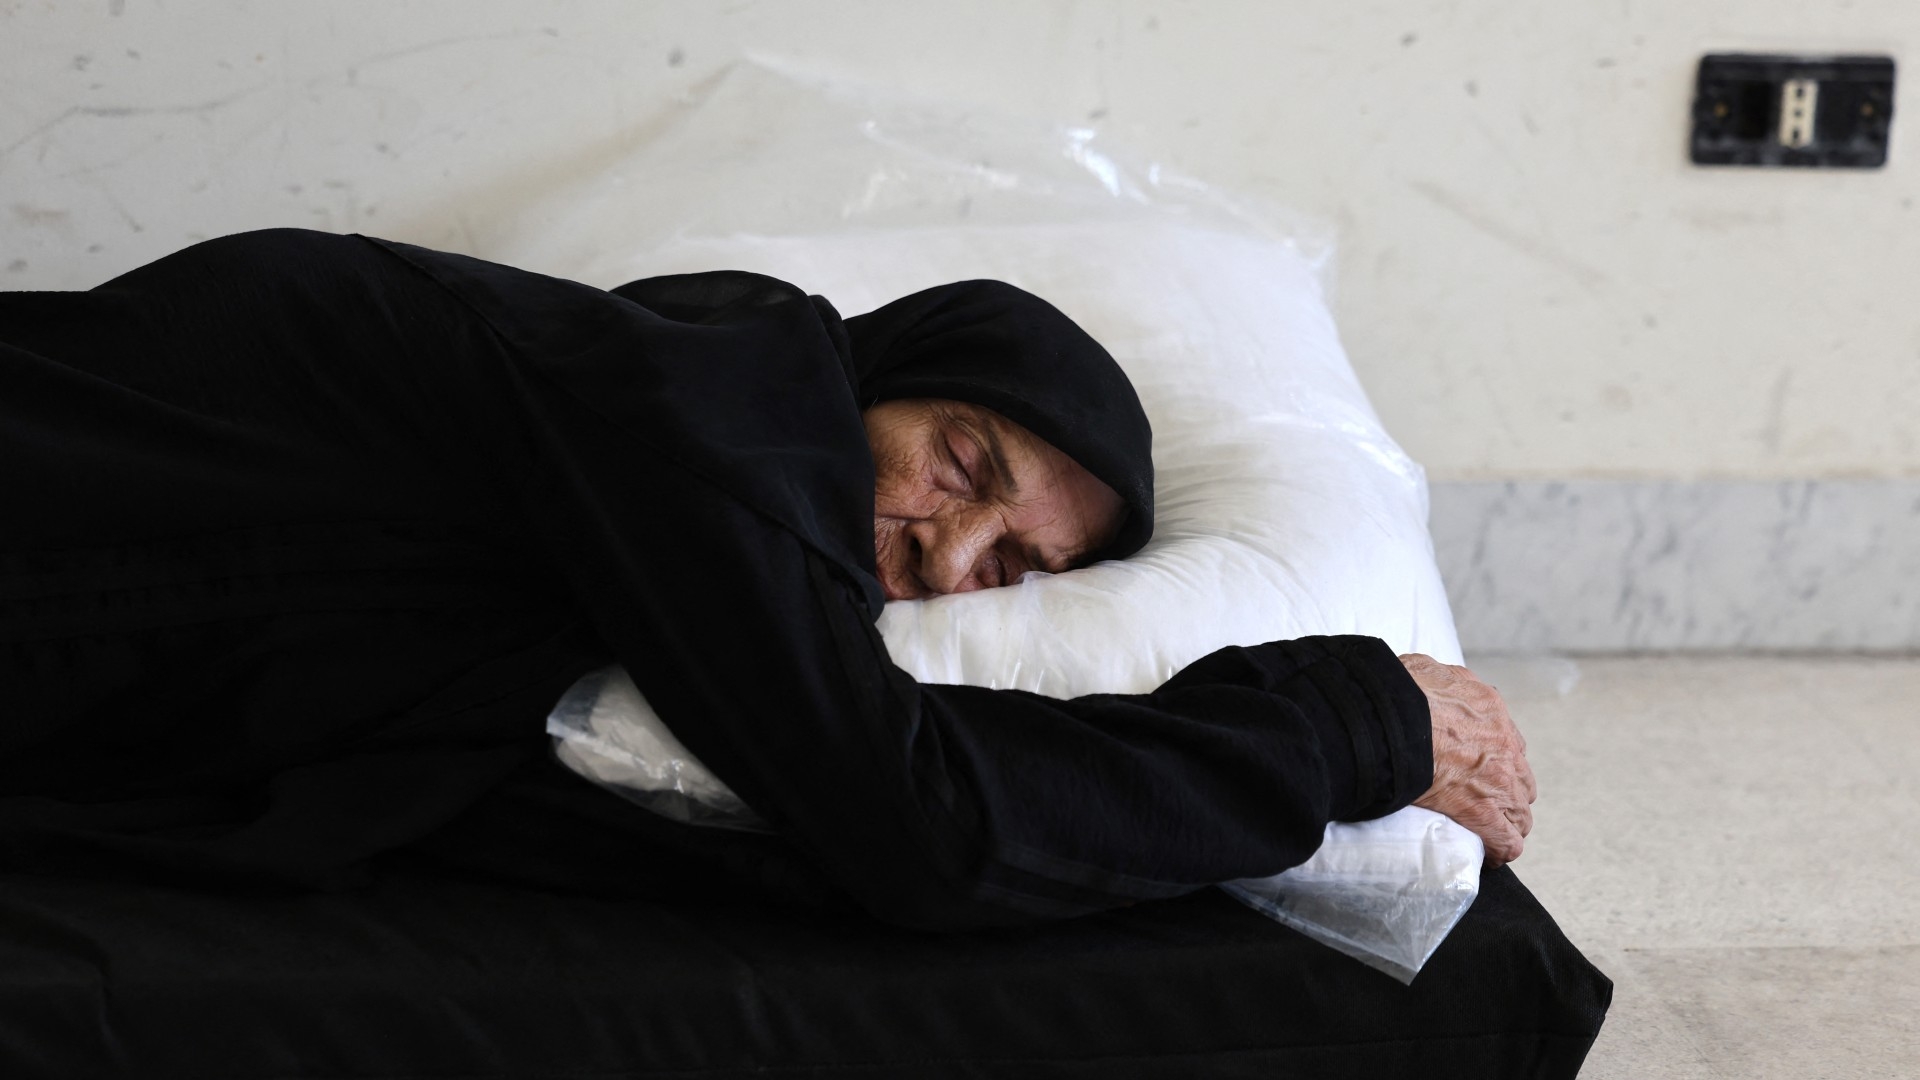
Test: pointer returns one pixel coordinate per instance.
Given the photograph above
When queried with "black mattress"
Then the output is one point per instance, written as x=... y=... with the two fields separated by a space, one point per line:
x=427 y=974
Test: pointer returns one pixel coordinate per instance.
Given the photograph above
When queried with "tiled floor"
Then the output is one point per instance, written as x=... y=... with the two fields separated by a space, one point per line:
x=1736 y=841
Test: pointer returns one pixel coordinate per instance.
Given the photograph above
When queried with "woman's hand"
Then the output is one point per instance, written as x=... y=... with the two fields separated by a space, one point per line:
x=1481 y=778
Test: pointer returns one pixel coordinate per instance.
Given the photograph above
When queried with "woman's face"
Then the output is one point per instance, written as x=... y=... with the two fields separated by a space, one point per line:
x=966 y=499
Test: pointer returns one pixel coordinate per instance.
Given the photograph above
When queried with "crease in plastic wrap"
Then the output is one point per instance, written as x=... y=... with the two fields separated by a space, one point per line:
x=1284 y=508
x=605 y=730
x=1385 y=892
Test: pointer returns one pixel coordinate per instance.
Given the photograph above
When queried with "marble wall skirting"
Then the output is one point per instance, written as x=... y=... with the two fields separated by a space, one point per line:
x=1604 y=566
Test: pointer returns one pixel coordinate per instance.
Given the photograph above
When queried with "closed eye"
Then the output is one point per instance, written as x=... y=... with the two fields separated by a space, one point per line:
x=964 y=475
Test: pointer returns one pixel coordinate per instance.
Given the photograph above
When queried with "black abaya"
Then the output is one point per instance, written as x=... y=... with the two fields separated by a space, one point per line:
x=305 y=534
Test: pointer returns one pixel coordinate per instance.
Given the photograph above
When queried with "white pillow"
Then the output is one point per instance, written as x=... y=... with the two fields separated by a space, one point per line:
x=1283 y=508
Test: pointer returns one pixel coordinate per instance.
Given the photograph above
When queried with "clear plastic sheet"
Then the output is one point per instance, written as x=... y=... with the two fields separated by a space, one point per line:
x=604 y=730
x=769 y=148
x=1284 y=507
x=1384 y=892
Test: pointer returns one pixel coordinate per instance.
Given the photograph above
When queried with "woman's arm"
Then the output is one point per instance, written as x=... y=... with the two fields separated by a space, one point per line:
x=688 y=480
x=950 y=806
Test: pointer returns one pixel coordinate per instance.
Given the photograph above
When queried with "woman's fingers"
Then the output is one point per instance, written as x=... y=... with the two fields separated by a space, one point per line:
x=1522 y=819
x=1503 y=831
x=1500 y=835
x=1481 y=777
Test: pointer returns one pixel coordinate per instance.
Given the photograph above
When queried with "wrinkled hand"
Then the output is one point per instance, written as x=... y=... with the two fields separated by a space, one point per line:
x=1481 y=778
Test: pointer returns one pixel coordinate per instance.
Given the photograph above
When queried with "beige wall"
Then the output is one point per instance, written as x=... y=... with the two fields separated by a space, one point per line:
x=1532 y=281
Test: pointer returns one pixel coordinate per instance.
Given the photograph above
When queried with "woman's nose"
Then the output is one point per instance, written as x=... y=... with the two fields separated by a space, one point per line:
x=952 y=549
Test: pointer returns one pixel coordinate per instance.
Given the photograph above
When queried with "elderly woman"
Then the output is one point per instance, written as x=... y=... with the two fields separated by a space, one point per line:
x=305 y=534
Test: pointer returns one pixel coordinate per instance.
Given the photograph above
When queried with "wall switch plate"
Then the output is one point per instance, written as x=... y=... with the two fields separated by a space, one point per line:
x=1817 y=111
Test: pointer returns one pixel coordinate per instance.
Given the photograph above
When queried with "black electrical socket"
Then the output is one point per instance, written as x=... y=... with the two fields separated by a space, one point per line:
x=1811 y=111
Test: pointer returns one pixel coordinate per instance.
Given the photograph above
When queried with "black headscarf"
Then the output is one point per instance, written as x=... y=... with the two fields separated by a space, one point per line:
x=991 y=344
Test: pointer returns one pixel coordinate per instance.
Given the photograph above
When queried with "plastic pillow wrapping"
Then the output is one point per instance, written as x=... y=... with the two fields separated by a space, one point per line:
x=1283 y=506
x=604 y=730
x=1384 y=892
x=770 y=148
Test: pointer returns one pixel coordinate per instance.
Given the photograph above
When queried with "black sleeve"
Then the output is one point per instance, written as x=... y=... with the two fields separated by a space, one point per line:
x=952 y=806
x=1045 y=807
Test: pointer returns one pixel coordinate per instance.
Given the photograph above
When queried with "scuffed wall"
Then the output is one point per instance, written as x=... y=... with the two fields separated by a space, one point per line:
x=1533 y=283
